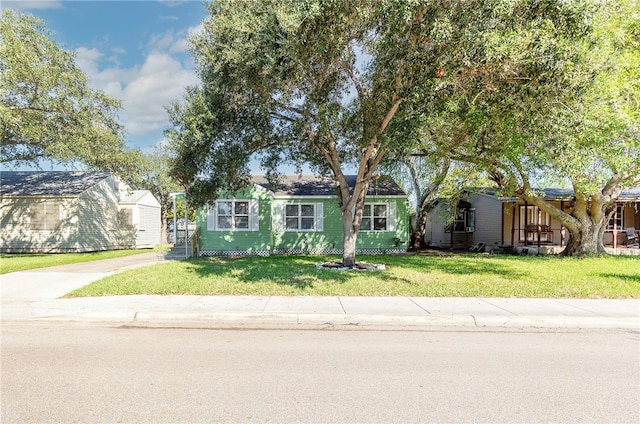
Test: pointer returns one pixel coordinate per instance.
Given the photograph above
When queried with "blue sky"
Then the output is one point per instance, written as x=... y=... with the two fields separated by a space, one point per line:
x=135 y=51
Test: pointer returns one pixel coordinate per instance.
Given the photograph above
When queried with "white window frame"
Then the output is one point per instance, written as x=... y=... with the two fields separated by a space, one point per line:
x=214 y=214
x=281 y=217
x=389 y=217
x=298 y=218
x=619 y=218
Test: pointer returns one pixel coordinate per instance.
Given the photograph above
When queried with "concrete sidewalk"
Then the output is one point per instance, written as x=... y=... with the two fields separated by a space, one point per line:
x=35 y=295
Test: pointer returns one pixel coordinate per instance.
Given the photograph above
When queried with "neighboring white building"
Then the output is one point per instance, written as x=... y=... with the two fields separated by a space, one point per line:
x=60 y=211
x=141 y=210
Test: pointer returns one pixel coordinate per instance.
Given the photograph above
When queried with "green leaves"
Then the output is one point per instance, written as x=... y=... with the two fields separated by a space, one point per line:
x=47 y=109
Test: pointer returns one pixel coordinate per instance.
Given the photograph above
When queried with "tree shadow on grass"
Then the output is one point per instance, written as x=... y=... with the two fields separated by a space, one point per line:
x=300 y=272
x=629 y=278
x=459 y=264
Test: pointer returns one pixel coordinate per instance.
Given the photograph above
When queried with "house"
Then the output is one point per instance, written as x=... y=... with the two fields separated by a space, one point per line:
x=140 y=210
x=499 y=222
x=62 y=211
x=301 y=215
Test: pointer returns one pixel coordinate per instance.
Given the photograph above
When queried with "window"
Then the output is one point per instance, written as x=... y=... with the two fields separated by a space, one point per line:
x=534 y=216
x=125 y=217
x=617 y=218
x=230 y=215
x=464 y=221
x=460 y=221
x=300 y=217
x=45 y=216
x=375 y=217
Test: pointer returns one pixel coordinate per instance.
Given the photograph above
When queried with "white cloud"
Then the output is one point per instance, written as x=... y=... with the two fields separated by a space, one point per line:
x=33 y=5
x=161 y=80
x=144 y=89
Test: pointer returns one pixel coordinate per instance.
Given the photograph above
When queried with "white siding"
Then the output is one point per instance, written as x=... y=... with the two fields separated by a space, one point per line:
x=148 y=234
x=488 y=220
x=435 y=229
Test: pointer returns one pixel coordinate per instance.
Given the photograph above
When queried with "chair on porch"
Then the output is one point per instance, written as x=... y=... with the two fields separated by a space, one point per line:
x=632 y=237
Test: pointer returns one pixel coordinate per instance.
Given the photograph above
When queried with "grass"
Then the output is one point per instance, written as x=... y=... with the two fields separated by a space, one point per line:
x=12 y=262
x=466 y=275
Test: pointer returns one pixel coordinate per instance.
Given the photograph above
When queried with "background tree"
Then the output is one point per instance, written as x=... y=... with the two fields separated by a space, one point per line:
x=47 y=110
x=331 y=83
x=575 y=120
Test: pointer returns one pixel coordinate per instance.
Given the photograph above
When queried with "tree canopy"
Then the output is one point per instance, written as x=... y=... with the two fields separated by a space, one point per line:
x=47 y=109
x=331 y=83
x=576 y=120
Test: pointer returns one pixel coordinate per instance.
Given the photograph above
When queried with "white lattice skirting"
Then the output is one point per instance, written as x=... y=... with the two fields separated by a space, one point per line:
x=298 y=252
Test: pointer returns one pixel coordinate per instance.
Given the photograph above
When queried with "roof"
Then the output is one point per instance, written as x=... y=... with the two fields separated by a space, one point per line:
x=48 y=183
x=631 y=194
x=308 y=185
x=133 y=196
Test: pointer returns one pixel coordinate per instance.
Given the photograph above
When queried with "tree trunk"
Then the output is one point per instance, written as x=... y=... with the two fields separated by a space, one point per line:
x=348 y=241
x=585 y=240
x=417 y=236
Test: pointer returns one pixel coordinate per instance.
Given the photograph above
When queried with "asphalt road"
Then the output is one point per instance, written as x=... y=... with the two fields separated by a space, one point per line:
x=65 y=372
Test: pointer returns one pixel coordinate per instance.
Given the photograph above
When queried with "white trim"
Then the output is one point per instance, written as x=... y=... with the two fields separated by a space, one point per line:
x=253 y=220
x=319 y=217
x=316 y=219
x=390 y=216
x=278 y=217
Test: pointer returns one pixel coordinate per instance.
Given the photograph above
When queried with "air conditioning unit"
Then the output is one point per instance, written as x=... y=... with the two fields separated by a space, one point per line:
x=470 y=229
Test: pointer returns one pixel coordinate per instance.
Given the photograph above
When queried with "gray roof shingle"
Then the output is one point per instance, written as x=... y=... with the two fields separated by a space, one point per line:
x=307 y=185
x=48 y=183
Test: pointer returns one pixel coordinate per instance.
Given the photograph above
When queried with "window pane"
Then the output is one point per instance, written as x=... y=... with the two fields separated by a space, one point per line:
x=307 y=210
x=224 y=208
x=52 y=218
x=125 y=217
x=366 y=211
x=224 y=222
x=242 y=208
x=292 y=210
x=37 y=213
x=365 y=224
x=307 y=223
x=380 y=210
x=242 y=222
x=617 y=219
x=380 y=224
x=292 y=223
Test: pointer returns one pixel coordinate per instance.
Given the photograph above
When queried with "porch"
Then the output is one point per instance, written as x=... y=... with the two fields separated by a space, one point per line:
x=527 y=227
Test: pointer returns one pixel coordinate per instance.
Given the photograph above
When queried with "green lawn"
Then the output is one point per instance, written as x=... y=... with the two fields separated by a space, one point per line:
x=12 y=262
x=464 y=275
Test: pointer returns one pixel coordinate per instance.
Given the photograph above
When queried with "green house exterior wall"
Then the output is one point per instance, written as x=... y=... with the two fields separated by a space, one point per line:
x=269 y=239
x=227 y=242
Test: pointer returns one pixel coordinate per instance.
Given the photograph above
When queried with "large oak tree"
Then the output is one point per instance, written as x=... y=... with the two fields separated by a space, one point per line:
x=332 y=83
x=576 y=120
x=47 y=109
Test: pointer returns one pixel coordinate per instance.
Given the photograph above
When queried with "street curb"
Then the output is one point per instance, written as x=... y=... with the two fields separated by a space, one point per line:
x=334 y=321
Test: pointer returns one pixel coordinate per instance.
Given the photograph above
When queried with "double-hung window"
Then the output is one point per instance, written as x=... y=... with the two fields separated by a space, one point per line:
x=231 y=215
x=300 y=217
x=378 y=217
